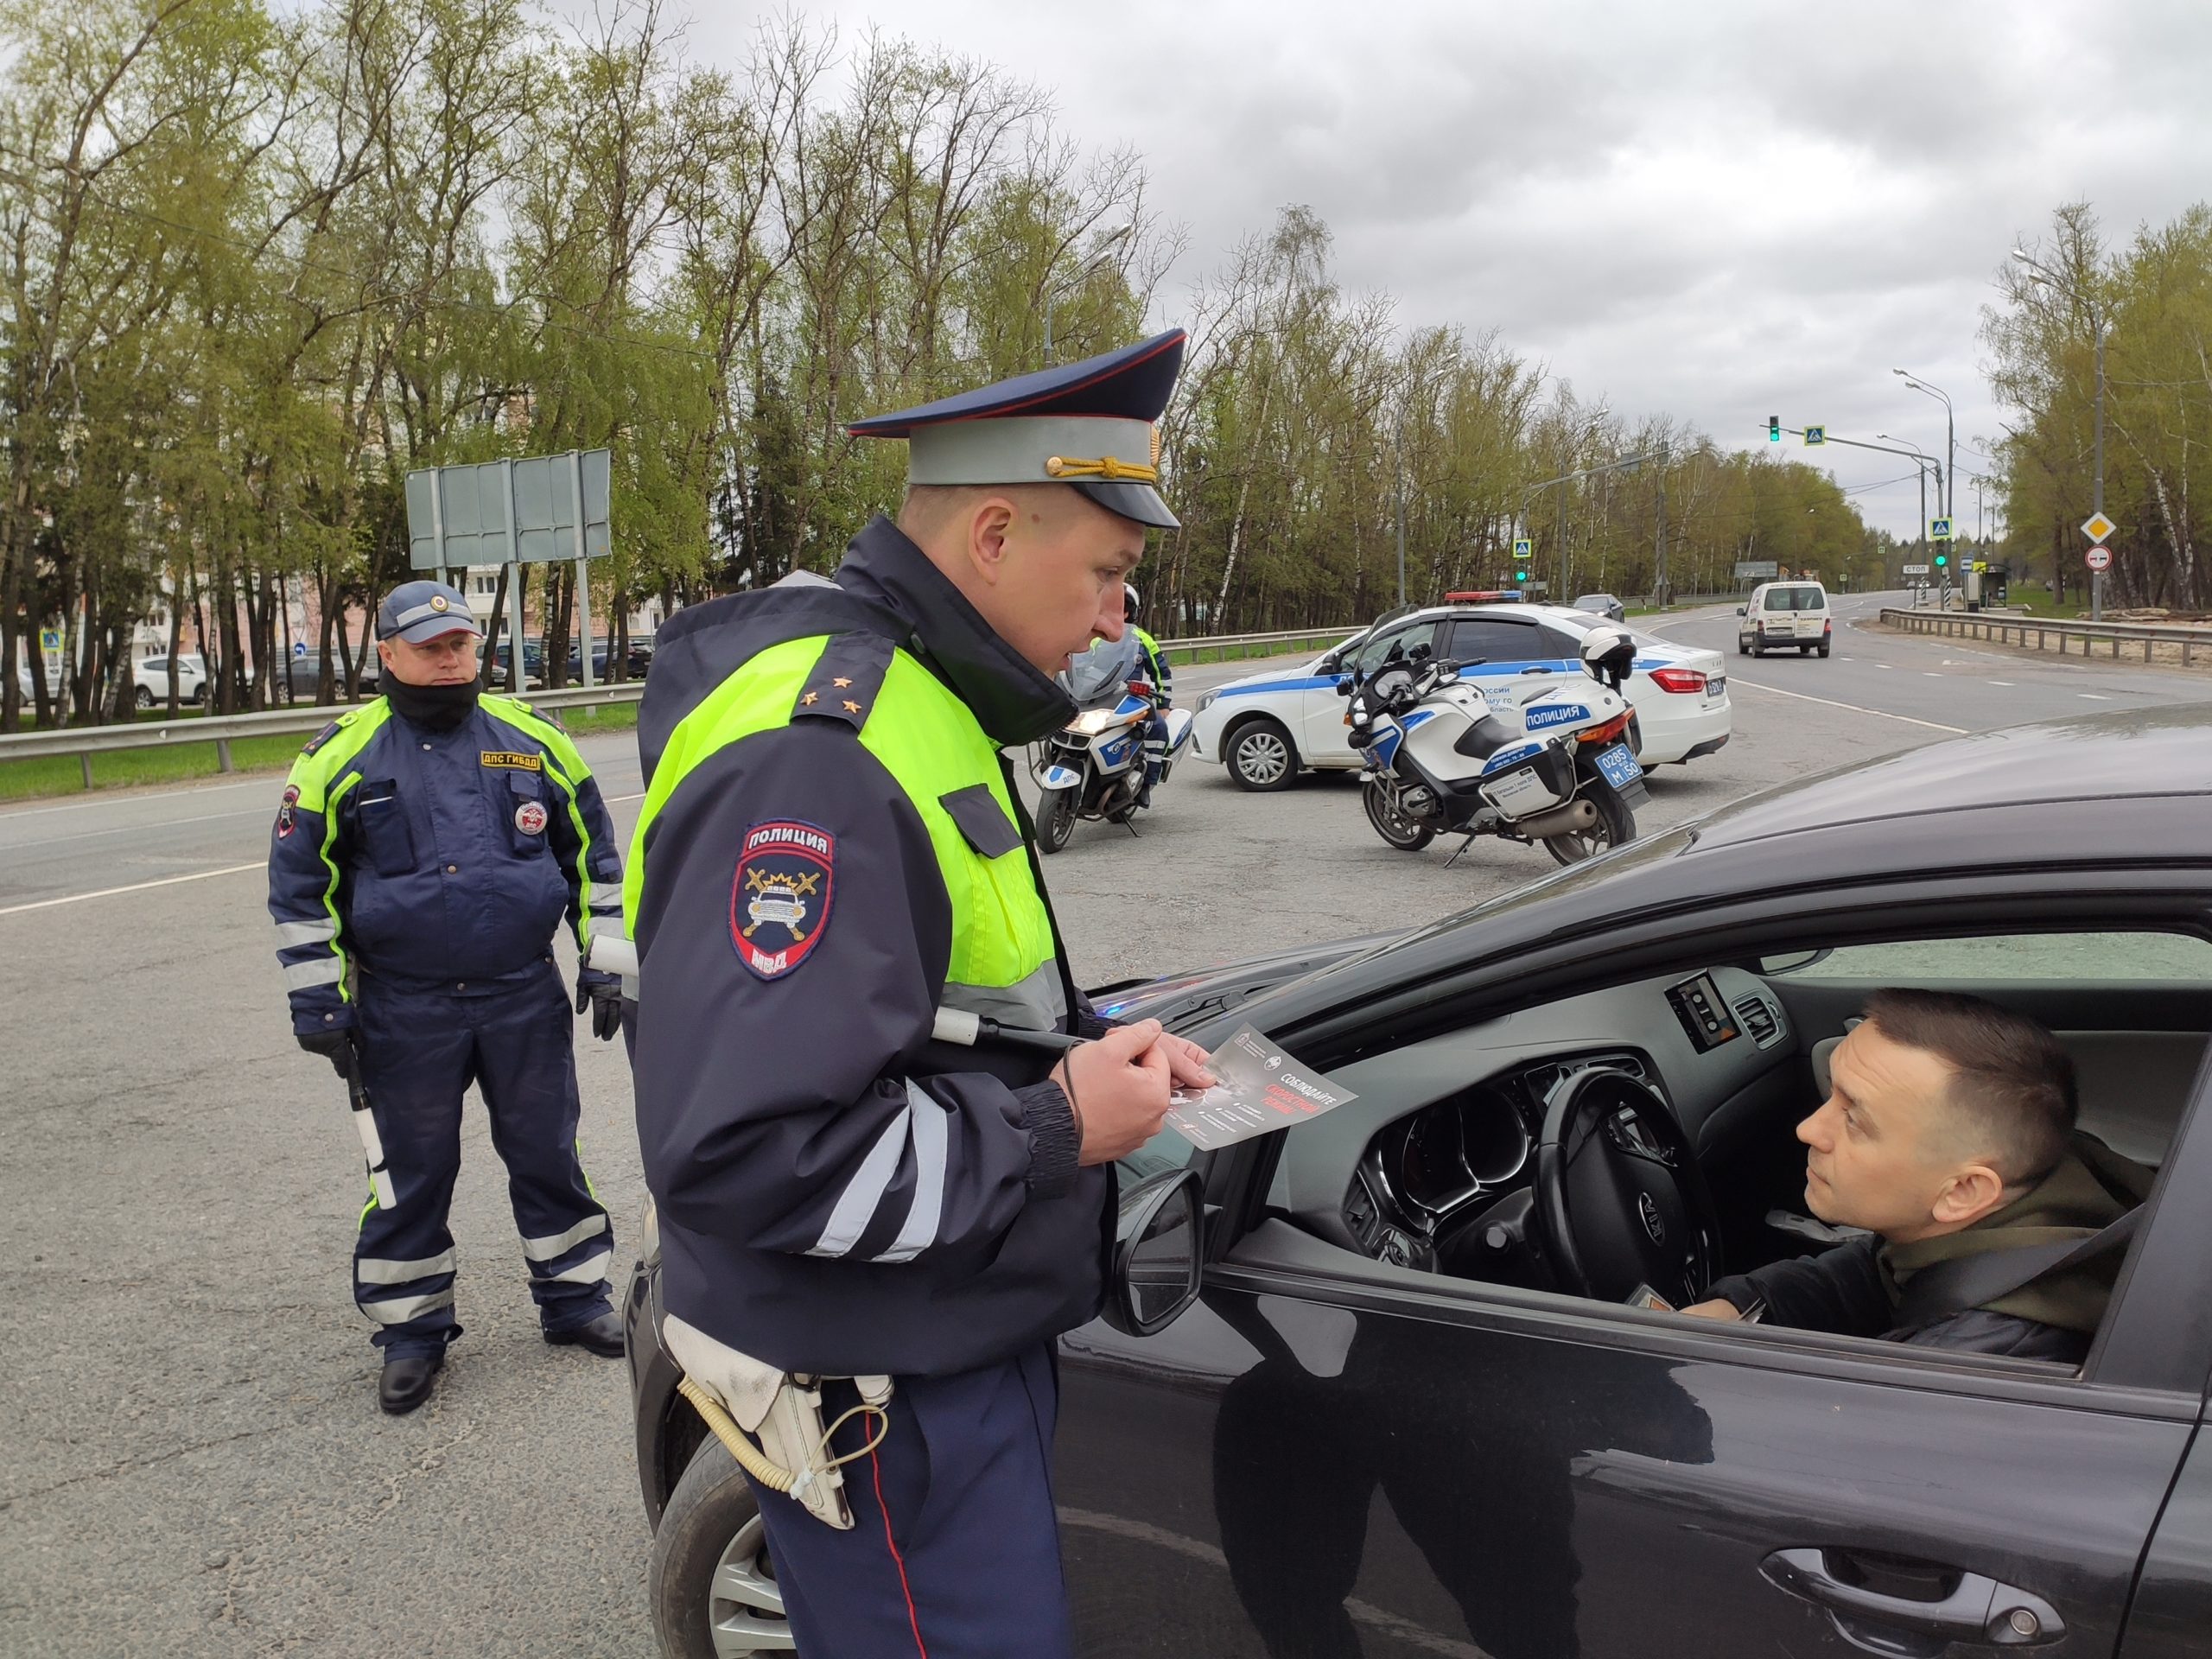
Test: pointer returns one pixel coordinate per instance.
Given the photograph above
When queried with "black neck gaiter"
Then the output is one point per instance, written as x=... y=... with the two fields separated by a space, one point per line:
x=440 y=708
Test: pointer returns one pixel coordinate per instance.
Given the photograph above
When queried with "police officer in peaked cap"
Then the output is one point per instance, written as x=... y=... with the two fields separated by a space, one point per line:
x=862 y=1224
x=426 y=848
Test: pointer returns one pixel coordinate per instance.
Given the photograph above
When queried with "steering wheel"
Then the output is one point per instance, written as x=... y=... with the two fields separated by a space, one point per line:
x=1620 y=1200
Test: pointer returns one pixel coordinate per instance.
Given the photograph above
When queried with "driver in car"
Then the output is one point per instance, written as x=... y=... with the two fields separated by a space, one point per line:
x=1948 y=1131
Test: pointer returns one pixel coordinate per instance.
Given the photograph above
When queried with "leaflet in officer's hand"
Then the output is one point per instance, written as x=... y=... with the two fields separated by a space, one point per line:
x=1258 y=1088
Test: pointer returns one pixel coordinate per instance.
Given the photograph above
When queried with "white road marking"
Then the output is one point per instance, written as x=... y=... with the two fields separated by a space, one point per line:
x=1856 y=708
x=2007 y=684
x=1885 y=664
x=2091 y=696
x=1929 y=674
x=128 y=828
x=136 y=887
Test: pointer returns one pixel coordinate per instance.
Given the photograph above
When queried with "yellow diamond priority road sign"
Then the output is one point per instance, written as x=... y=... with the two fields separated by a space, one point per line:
x=2096 y=527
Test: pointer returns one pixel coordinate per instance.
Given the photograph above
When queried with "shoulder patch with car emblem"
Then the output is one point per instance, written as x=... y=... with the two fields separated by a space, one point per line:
x=284 y=821
x=780 y=898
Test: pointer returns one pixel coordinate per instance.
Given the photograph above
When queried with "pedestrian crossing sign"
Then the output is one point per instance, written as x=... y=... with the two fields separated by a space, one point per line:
x=1523 y=548
x=1815 y=434
x=1939 y=530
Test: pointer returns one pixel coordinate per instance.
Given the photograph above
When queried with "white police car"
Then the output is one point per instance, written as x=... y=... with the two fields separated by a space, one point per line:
x=1265 y=727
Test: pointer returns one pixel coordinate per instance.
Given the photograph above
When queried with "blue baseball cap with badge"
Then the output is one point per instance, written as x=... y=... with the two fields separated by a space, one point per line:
x=416 y=611
x=1088 y=425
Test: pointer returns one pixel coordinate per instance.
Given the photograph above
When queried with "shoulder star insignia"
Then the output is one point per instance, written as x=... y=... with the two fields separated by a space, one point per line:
x=840 y=683
x=810 y=700
x=851 y=707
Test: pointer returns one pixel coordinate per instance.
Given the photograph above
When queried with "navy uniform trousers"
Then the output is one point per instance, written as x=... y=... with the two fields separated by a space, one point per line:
x=421 y=1048
x=954 y=1552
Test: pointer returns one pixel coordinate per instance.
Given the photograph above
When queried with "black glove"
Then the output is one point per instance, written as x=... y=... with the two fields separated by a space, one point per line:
x=602 y=994
x=338 y=1047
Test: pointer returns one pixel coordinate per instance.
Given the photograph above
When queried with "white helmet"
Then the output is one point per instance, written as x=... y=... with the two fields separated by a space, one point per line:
x=1608 y=653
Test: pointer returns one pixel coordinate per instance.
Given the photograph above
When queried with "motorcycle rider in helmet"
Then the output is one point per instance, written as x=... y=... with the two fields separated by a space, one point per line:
x=1156 y=669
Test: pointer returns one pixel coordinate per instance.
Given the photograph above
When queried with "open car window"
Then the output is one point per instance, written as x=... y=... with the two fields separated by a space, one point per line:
x=1436 y=1168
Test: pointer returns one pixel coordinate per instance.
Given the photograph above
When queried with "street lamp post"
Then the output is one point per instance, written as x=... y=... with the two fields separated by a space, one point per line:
x=1951 y=504
x=1927 y=463
x=2098 y=327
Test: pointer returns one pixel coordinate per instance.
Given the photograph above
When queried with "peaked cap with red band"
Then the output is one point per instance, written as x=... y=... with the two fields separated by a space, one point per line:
x=1089 y=425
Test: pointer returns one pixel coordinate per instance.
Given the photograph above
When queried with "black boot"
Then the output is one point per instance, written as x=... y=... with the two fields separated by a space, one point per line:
x=406 y=1381
x=603 y=1335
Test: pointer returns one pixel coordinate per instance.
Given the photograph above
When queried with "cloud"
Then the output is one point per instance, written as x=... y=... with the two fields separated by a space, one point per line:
x=1719 y=212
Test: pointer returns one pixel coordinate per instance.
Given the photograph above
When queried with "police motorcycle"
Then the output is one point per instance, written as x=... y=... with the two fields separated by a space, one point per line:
x=1093 y=767
x=1440 y=758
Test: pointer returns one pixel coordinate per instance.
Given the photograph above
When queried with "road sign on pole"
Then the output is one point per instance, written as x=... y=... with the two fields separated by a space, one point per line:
x=490 y=512
x=2098 y=558
x=1815 y=434
x=299 y=647
x=1939 y=530
x=2097 y=527
x=49 y=639
x=1523 y=548
x=1914 y=569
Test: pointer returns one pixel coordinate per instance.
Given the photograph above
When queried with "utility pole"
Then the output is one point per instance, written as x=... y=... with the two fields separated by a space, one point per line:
x=1659 y=541
x=1400 y=469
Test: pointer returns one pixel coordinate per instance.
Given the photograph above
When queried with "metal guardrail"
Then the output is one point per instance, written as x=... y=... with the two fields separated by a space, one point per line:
x=1995 y=628
x=222 y=730
x=302 y=719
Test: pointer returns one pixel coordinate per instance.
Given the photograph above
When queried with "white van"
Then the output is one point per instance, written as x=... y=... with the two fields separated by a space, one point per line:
x=1785 y=614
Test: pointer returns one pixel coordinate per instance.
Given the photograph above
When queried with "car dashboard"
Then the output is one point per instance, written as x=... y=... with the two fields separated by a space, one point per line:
x=1434 y=1166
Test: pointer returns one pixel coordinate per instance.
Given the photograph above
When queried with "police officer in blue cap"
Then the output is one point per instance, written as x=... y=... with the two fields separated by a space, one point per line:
x=870 y=1224
x=425 y=850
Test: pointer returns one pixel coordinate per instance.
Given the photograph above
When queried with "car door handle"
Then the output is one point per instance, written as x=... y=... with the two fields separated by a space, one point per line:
x=1538 y=671
x=1978 y=1610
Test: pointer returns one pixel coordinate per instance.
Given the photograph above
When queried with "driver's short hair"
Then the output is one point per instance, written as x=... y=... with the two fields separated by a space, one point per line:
x=2013 y=1084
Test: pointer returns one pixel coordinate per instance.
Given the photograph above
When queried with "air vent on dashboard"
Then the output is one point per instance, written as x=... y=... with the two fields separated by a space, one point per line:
x=1760 y=1020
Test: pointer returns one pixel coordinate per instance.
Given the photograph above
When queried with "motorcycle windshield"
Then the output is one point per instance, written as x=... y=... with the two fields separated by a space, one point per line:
x=1100 y=674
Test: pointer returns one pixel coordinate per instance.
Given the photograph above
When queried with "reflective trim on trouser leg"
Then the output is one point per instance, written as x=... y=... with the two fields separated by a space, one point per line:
x=589 y=1269
x=403 y=1310
x=371 y=1270
x=553 y=1245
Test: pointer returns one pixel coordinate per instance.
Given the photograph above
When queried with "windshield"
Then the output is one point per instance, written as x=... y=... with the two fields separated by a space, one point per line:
x=1794 y=599
x=1583 y=622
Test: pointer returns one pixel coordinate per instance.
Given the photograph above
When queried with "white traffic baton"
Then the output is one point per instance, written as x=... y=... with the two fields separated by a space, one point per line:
x=356 y=1092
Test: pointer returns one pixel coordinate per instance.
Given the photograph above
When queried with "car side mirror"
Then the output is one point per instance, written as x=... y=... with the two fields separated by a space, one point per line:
x=1741 y=611
x=1346 y=687
x=1156 y=1257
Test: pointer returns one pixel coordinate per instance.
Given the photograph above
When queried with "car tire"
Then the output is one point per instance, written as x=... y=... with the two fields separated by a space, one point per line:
x=145 y=698
x=1804 y=650
x=709 y=1585
x=1823 y=649
x=1260 y=755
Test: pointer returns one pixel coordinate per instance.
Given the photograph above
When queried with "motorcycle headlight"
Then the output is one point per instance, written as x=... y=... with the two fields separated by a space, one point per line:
x=1092 y=721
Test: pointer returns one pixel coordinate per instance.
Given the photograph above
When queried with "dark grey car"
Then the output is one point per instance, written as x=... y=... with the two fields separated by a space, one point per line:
x=1603 y=605
x=1406 y=1410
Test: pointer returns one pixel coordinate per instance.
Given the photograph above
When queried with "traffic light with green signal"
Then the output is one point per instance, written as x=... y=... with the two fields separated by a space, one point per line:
x=1774 y=429
x=1942 y=559
x=1520 y=575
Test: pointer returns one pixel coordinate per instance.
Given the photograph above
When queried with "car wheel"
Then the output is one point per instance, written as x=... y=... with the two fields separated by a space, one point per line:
x=1804 y=650
x=709 y=1582
x=1260 y=756
x=1742 y=646
x=1823 y=651
x=145 y=698
x=1056 y=819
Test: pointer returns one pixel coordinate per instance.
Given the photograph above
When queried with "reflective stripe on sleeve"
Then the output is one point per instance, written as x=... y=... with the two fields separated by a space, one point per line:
x=397 y=1310
x=370 y=1270
x=856 y=1205
x=294 y=933
x=605 y=895
x=1037 y=1003
x=305 y=976
x=932 y=1134
x=555 y=1244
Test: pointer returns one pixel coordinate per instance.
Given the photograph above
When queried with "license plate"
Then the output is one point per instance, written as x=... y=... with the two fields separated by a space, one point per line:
x=1618 y=766
x=1715 y=685
x=1518 y=792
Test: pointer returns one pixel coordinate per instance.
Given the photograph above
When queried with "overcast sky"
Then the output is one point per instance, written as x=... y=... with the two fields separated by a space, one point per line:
x=1719 y=210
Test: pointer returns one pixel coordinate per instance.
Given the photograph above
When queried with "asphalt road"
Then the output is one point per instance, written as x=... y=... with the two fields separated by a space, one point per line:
x=196 y=1465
